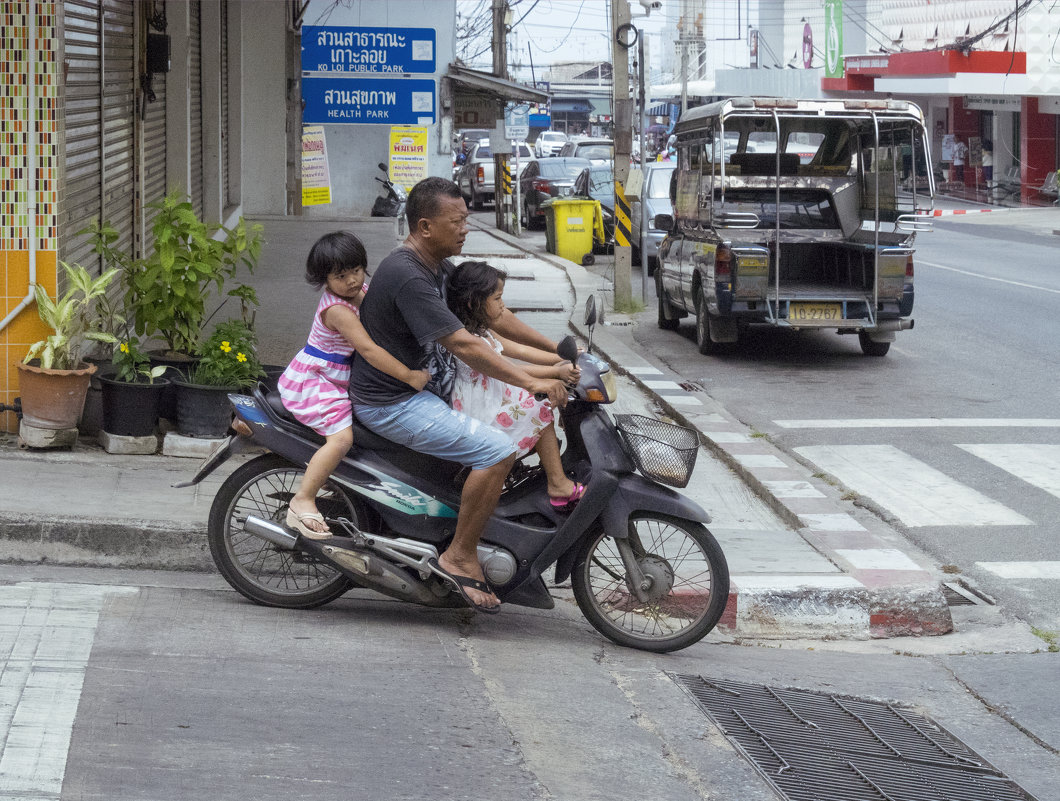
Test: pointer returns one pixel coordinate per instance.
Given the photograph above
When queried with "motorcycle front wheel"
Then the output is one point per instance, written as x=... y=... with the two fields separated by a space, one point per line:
x=687 y=582
x=259 y=570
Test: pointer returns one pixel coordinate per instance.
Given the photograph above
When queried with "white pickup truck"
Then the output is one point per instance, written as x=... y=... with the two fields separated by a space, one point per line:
x=475 y=175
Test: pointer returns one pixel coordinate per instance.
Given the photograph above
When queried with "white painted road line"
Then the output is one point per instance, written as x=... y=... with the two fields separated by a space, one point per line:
x=912 y=491
x=1008 y=281
x=1023 y=570
x=922 y=422
x=46 y=634
x=878 y=559
x=1036 y=464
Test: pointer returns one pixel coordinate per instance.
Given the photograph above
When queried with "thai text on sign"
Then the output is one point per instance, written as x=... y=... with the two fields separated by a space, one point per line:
x=408 y=155
x=368 y=50
x=316 y=177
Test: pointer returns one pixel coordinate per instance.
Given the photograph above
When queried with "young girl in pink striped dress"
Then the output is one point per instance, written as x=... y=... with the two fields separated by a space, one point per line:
x=315 y=385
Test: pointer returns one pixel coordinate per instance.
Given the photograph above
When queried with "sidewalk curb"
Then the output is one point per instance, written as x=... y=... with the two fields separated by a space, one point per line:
x=882 y=592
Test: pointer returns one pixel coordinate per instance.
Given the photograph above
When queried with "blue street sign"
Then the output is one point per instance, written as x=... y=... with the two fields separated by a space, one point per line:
x=381 y=101
x=379 y=51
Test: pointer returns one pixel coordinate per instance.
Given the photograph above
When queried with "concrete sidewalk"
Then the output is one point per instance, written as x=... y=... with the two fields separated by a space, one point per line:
x=824 y=570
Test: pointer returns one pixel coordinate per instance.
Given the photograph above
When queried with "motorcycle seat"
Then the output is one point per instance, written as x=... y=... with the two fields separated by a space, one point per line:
x=414 y=461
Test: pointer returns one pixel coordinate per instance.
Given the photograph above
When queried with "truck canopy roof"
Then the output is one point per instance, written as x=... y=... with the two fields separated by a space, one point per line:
x=696 y=118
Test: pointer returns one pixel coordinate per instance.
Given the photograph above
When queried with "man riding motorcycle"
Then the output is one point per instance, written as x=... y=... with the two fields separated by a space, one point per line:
x=405 y=312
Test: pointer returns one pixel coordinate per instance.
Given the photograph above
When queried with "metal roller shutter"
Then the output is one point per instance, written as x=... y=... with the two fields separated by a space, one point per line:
x=225 y=128
x=195 y=123
x=82 y=162
x=98 y=106
x=154 y=134
x=119 y=115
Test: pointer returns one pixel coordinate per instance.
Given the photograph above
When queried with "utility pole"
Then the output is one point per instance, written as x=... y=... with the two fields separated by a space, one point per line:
x=623 y=125
x=500 y=69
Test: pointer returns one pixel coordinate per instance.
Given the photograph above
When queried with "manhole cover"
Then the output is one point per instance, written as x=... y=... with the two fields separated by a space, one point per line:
x=812 y=746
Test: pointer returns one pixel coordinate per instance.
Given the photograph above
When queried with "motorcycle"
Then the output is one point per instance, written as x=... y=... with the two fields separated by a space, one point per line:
x=392 y=204
x=644 y=569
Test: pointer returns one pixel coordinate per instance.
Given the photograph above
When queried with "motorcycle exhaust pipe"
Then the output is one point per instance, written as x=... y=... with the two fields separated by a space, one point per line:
x=270 y=532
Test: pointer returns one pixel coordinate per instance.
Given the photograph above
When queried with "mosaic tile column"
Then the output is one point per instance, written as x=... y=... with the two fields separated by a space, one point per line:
x=29 y=94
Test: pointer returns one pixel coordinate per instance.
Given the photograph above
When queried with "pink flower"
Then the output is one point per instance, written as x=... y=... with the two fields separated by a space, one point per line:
x=526 y=443
x=504 y=420
x=545 y=414
x=528 y=401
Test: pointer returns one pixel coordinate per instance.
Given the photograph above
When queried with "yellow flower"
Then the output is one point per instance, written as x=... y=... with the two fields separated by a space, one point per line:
x=124 y=347
x=240 y=357
x=225 y=346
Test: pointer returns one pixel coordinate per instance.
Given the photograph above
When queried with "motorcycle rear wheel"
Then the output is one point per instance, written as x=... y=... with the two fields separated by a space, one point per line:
x=260 y=571
x=690 y=584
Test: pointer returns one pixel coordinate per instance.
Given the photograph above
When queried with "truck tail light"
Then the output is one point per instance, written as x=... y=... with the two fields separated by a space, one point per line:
x=480 y=174
x=909 y=268
x=543 y=185
x=723 y=264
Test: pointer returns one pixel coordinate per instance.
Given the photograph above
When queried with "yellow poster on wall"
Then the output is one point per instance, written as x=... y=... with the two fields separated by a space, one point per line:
x=316 y=178
x=408 y=155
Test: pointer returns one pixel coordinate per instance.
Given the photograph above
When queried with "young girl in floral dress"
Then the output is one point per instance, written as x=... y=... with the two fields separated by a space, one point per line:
x=315 y=386
x=475 y=292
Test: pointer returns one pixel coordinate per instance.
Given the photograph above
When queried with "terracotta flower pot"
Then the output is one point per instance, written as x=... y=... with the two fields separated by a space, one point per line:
x=53 y=399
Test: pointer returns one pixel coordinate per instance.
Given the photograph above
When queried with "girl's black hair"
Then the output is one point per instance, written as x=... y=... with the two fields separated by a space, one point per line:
x=469 y=287
x=332 y=253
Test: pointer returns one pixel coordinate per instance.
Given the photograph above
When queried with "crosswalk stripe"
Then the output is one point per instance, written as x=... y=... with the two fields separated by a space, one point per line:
x=1023 y=570
x=912 y=491
x=1036 y=464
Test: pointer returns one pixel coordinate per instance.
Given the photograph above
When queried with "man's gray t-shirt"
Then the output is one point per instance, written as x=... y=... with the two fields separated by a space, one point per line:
x=404 y=312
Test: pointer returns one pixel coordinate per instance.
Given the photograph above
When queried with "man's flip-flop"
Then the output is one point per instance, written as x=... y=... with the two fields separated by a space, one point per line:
x=459 y=582
x=296 y=521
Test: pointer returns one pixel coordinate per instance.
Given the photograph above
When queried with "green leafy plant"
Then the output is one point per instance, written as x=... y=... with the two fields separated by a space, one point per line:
x=71 y=317
x=228 y=358
x=167 y=293
x=133 y=365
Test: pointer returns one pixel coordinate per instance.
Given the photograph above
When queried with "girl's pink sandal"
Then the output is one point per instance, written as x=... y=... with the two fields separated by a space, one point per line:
x=567 y=504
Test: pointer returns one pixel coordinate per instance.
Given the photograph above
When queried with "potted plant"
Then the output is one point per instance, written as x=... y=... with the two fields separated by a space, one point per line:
x=132 y=395
x=168 y=294
x=53 y=378
x=227 y=362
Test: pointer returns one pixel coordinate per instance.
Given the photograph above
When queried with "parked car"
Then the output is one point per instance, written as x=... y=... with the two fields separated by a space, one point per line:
x=655 y=199
x=549 y=143
x=595 y=149
x=597 y=181
x=475 y=175
x=544 y=179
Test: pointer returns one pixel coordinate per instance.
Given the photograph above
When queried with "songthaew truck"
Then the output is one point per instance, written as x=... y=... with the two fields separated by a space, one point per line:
x=798 y=214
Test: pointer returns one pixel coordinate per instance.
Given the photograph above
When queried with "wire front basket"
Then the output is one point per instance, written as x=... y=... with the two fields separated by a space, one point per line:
x=661 y=451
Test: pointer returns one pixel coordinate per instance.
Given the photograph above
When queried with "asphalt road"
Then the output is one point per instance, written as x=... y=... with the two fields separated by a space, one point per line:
x=127 y=685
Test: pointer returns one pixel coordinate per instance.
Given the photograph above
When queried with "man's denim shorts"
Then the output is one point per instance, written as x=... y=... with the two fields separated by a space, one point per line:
x=425 y=423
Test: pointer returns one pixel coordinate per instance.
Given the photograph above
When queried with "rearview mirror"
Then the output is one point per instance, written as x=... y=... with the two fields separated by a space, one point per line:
x=568 y=349
x=590 y=311
x=590 y=319
x=662 y=222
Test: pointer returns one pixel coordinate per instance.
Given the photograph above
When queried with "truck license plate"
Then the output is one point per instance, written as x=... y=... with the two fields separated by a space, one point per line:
x=813 y=312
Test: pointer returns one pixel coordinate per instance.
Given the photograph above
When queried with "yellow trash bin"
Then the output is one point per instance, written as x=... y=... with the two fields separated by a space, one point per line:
x=569 y=224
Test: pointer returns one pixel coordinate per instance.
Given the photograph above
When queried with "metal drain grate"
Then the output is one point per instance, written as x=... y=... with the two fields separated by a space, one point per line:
x=812 y=746
x=691 y=386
